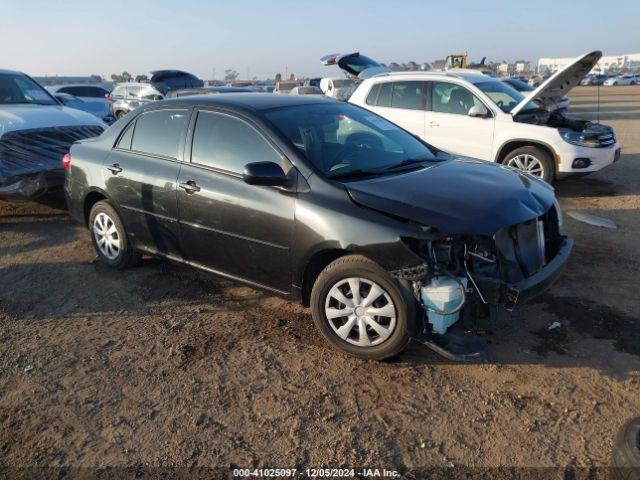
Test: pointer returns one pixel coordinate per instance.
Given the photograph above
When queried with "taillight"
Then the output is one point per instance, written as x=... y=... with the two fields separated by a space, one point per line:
x=66 y=161
x=109 y=100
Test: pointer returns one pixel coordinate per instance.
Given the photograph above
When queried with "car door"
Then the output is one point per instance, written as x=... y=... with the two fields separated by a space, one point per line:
x=401 y=102
x=449 y=127
x=141 y=175
x=235 y=229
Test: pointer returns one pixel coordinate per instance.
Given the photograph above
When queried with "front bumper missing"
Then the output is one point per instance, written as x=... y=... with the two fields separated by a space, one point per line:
x=509 y=295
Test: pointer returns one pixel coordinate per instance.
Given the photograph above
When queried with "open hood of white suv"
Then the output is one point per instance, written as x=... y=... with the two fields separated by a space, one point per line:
x=559 y=84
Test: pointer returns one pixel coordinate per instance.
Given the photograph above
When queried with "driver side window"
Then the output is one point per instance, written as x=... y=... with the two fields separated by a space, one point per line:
x=451 y=98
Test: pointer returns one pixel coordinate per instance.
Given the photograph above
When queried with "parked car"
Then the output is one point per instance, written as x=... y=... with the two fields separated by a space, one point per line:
x=306 y=91
x=35 y=132
x=129 y=96
x=524 y=88
x=285 y=87
x=126 y=97
x=93 y=98
x=338 y=88
x=538 y=80
x=312 y=82
x=183 y=92
x=321 y=202
x=622 y=80
x=594 y=79
x=93 y=108
x=470 y=114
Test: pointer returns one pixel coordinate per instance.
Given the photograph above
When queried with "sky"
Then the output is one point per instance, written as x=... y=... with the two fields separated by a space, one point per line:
x=262 y=38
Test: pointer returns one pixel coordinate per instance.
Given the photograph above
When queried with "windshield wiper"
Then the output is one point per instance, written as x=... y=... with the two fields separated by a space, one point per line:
x=407 y=162
x=358 y=173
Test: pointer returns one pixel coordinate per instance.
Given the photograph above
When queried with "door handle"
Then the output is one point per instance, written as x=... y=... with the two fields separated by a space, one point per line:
x=189 y=186
x=115 y=168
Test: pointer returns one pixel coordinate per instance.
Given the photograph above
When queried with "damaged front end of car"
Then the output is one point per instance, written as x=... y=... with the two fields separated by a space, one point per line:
x=475 y=281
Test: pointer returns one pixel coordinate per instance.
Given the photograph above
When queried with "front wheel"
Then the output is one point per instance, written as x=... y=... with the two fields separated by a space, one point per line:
x=363 y=311
x=109 y=237
x=532 y=160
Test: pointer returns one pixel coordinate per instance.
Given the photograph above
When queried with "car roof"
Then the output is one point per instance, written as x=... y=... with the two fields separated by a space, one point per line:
x=15 y=72
x=245 y=101
x=471 y=76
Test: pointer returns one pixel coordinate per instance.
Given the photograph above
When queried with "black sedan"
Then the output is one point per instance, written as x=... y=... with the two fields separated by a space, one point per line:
x=323 y=202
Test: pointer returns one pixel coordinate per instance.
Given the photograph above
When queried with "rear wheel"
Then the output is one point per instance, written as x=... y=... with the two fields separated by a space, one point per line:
x=120 y=114
x=532 y=160
x=363 y=311
x=109 y=237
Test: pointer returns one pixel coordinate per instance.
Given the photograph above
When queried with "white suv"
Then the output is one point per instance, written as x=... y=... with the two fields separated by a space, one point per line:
x=467 y=113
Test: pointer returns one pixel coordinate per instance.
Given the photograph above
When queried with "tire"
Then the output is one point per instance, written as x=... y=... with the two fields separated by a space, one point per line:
x=538 y=155
x=120 y=114
x=626 y=451
x=104 y=218
x=397 y=332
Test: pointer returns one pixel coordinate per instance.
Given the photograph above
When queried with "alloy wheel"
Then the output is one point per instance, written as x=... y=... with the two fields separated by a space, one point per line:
x=107 y=236
x=527 y=163
x=360 y=312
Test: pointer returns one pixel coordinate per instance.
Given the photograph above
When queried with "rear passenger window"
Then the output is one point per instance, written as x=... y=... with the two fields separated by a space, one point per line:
x=227 y=143
x=373 y=95
x=125 y=139
x=384 y=99
x=159 y=132
x=409 y=95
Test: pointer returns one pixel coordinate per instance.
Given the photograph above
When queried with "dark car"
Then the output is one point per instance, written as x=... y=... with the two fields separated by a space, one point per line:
x=321 y=202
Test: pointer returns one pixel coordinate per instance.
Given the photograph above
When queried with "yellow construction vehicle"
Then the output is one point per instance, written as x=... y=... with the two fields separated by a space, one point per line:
x=456 y=60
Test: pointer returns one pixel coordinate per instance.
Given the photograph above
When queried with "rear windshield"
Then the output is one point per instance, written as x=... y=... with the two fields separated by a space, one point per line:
x=17 y=88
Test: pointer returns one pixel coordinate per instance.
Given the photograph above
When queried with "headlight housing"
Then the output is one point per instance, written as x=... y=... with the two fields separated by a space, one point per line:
x=580 y=138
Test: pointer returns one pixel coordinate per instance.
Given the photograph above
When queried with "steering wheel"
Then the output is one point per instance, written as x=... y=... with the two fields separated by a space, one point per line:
x=364 y=140
x=500 y=103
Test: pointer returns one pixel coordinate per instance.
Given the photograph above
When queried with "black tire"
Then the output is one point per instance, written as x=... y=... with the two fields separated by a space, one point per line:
x=626 y=452
x=126 y=256
x=361 y=267
x=120 y=114
x=541 y=155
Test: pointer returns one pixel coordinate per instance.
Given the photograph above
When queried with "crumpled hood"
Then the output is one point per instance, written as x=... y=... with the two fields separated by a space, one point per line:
x=461 y=196
x=23 y=117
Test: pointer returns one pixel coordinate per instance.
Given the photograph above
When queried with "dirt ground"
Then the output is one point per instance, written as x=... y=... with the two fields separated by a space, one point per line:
x=158 y=366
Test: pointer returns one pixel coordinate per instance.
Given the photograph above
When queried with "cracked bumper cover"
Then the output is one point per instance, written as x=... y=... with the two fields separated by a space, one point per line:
x=511 y=294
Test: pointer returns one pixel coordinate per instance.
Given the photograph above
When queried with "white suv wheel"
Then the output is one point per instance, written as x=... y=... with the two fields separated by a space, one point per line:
x=527 y=163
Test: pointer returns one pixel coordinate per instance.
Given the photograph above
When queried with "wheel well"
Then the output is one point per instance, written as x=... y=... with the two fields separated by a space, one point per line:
x=316 y=264
x=509 y=147
x=89 y=202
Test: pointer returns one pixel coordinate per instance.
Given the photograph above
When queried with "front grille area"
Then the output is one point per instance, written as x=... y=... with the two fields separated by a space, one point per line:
x=527 y=247
x=32 y=151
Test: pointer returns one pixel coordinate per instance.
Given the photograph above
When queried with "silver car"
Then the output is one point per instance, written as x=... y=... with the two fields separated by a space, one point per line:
x=129 y=96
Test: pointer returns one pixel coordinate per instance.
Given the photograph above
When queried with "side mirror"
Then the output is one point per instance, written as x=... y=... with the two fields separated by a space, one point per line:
x=264 y=173
x=478 y=111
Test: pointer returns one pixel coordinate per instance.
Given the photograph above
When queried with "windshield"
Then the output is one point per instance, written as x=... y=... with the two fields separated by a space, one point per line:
x=343 y=140
x=505 y=97
x=519 y=85
x=17 y=88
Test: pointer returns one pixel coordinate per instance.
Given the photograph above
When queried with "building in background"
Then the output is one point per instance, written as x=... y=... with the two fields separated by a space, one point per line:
x=609 y=63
